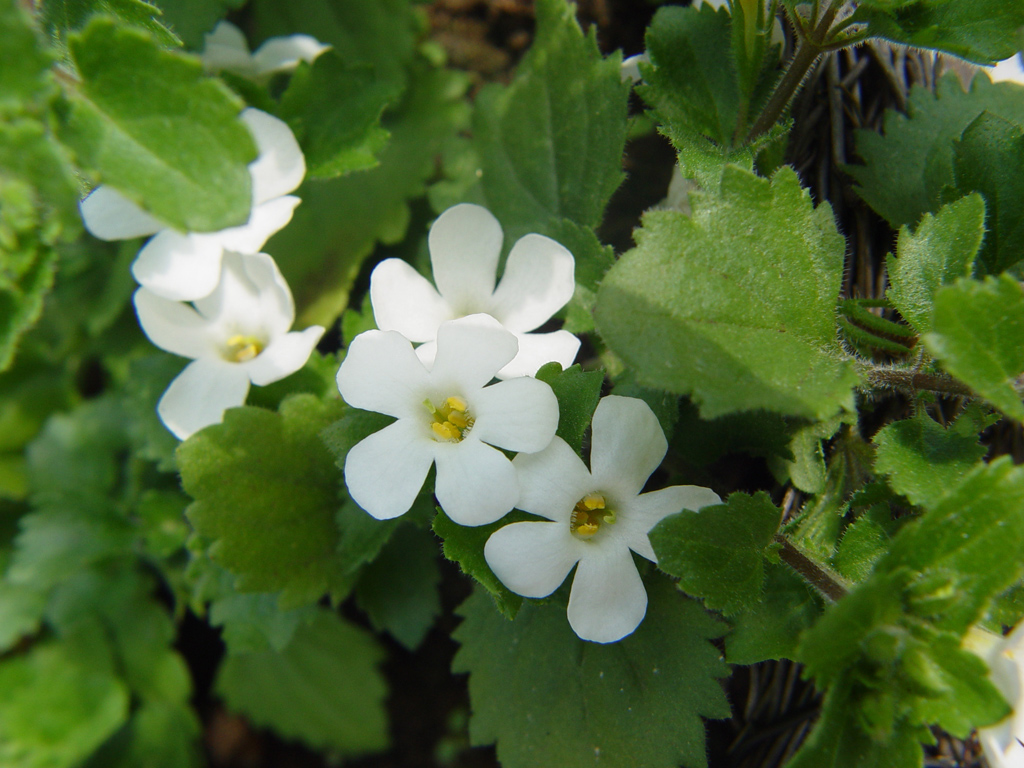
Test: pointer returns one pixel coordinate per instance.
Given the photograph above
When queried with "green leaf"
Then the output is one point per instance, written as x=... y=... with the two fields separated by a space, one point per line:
x=280 y=474
x=864 y=541
x=939 y=251
x=696 y=310
x=805 y=467
x=159 y=735
x=465 y=546
x=988 y=159
x=22 y=294
x=151 y=125
x=54 y=709
x=59 y=17
x=334 y=109
x=550 y=144
x=982 y=31
x=398 y=590
x=191 y=19
x=908 y=166
x=757 y=433
x=978 y=336
x=324 y=688
x=578 y=392
x=24 y=61
x=253 y=623
x=924 y=460
x=718 y=553
x=771 y=629
x=548 y=698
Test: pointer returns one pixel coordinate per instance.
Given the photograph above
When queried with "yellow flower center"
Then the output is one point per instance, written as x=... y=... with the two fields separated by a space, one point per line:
x=241 y=348
x=451 y=421
x=588 y=515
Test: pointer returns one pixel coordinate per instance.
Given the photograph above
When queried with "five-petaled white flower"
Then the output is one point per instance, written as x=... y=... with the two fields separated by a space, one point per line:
x=236 y=335
x=446 y=416
x=1005 y=658
x=225 y=48
x=465 y=245
x=184 y=266
x=597 y=516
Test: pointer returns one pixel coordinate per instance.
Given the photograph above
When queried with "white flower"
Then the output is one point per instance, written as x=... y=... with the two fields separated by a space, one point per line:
x=225 y=48
x=598 y=516
x=446 y=416
x=236 y=335
x=630 y=67
x=465 y=244
x=183 y=266
x=1009 y=70
x=1005 y=657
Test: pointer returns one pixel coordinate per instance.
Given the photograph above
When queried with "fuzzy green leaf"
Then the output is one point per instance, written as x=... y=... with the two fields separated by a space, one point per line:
x=982 y=31
x=324 y=688
x=978 y=336
x=548 y=698
x=908 y=167
x=24 y=62
x=282 y=476
x=550 y=144
x=939 y=251
x=192 y=19
x=148 y=123
x=578 y=392
x=60 y=17
x=736 y=305
x=718 y=553
x=924 y=460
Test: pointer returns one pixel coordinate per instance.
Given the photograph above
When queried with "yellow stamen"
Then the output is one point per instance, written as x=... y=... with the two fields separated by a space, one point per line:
x=456 y=404
x=586 y=520
x=242 y=348
x=452 y=420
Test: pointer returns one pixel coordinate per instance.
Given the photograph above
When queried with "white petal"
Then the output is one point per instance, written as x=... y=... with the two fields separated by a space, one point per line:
x=380 y=373
x=225 y=48
x=174 y=326
x=235 y=306
x=265 y=219
x=465 y=243
x=608 y=600
x=552 y=481
x=533 y=559
x=627 y=444
x=279 y=54
x=283 y=356
x=426 y=353
x=517 y=415
x=200 y=395
x=385 y=471
x=538 y=281
x=276 y=307
x=630 y=67
x=405 y=301
x=643 y=512
x=1008 y=70
x=537 y=349
x=470 y=351
x=280 y=166
x=109 y=215
x=180 y=267
x=476 y=484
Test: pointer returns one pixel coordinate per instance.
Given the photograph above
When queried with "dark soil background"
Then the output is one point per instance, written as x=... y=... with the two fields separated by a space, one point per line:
x=773 y=707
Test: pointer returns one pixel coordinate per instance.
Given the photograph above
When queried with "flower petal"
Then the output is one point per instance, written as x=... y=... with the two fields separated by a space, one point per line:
x=275 y=305
x=265 y=219
x=200 y=395
x=532 y=559
x=538 y=281
x=283 y=356
x=280 y=166
x=518 y=415
x=225 y=48
x=627 y=444
x=1007 y=70
x=470 y=351
x=552 y=481
x=385 y=471
x=381 y=373
x=645 y=511
x=608 y=600
x=179 y=267
x=235 y=304
x=405 y=301
x=426 y=353
x=279 y=54
x=465 y=243
x=537 y=349
x=476 y=484
x=109 y=215
x=173 y=326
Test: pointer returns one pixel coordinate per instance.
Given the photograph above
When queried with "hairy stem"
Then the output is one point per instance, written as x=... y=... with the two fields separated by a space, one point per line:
x=911 y=382
x=827 y=583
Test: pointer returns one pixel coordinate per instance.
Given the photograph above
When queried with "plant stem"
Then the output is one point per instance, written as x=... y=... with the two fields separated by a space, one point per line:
x=807 y=53
x=823 y=580
x=912 y=382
